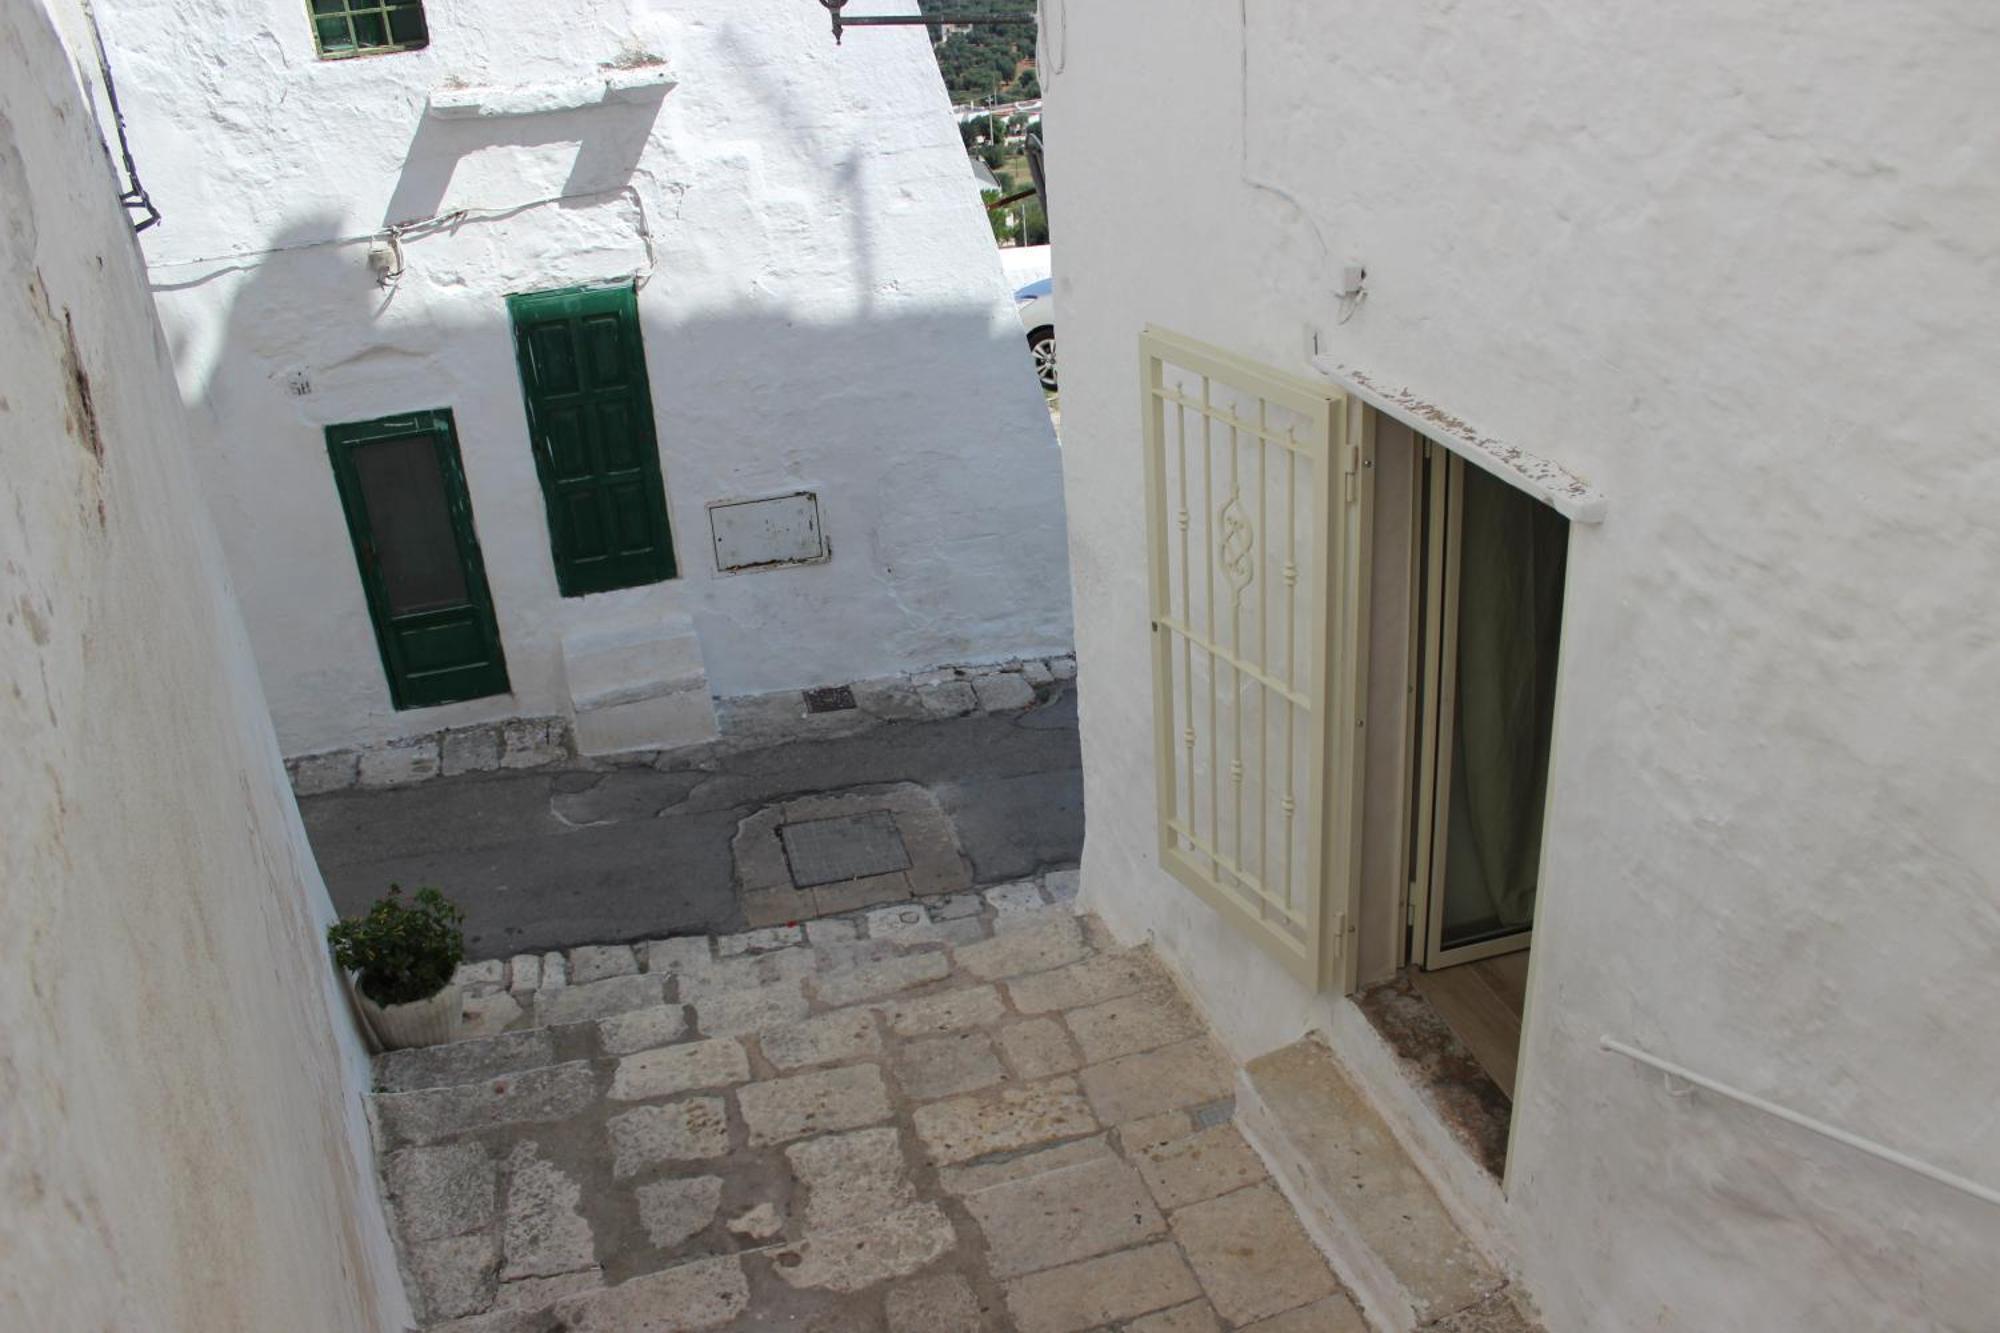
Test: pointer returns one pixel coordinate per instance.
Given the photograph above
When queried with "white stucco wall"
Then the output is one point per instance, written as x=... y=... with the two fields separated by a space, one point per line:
x=184 y=1144
x=822 y=309
x=1734 y=265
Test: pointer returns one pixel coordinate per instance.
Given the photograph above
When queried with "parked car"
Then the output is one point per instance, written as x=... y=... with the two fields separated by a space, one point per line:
x=1037 y=304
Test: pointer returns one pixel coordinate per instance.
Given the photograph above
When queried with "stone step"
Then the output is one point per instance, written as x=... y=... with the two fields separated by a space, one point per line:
x=1371 y=1211
x=643 y=687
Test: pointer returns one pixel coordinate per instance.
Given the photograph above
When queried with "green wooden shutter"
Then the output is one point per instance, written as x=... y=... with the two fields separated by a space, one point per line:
x=590 y=418
x=403 y=491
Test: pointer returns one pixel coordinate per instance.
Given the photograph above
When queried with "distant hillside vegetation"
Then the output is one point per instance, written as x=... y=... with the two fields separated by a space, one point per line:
x=989 y=62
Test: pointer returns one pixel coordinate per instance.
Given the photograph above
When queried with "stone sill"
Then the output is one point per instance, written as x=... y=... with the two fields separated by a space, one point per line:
x=535 y=99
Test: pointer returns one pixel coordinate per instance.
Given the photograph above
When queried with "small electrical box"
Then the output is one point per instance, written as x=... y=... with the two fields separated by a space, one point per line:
x=768 y=533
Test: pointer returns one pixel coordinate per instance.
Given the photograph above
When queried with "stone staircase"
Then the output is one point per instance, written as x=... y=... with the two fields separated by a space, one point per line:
x=972 y=1113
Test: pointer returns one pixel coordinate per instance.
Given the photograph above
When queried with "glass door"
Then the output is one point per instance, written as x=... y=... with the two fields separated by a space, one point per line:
x=1494 y=561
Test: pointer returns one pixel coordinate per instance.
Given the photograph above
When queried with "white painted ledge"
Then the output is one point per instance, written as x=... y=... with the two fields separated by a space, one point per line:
x=1570 y=495
x=535 y=99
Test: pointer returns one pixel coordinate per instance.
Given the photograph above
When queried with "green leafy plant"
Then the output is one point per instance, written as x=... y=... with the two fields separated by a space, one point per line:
x=401 y=953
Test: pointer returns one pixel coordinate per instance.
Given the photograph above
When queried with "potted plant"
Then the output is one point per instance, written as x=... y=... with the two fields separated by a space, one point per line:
x=402 y=957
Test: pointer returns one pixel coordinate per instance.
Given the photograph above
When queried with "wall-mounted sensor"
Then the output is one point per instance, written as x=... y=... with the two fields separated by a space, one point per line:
x=385 y=260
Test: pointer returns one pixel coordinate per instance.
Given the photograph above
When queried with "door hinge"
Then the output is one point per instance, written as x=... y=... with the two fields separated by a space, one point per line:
x=1353 y=467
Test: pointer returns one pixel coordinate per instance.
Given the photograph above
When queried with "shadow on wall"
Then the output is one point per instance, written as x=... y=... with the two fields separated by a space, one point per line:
x=610 y=138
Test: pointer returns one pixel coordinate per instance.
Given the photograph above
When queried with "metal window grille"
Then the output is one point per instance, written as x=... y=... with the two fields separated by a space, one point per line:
x=1254 y=539
x=359 y=27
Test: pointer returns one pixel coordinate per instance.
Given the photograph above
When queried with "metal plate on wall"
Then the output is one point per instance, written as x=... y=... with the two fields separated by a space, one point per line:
x=762 y=534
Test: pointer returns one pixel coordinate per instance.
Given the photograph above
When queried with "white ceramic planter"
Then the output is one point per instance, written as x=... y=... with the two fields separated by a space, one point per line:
x=431 y=1022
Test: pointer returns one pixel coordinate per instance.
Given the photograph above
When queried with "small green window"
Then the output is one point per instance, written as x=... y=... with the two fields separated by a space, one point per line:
x=359 y=27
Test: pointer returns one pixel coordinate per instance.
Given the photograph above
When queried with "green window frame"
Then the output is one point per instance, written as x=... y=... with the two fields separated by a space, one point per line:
x=345 y=28
x=427 y=595
x=590 y=424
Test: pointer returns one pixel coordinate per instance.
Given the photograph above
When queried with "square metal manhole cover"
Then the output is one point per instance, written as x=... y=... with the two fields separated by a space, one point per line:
x=826 y=851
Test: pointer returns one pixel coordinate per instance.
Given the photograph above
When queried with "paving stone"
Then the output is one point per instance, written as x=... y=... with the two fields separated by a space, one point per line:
x=749 y=972
x=740 y=1013
x=777 y=908
x=909 y=924
x=940 y=1303
x=1013 y=1117
x=1200 y=1166
x=498 y=1321
x=881 y=978
x=1004 y=693
x=524 y=973
x=760 y=1223
x=1280 y=1271
x=1063 y=668
x=491 y=972
x=1058 y=1217
x=488 y=1015
x=815 y=1103
x=442 y=1191
x=674 y=1210
x=399 y=764
x=1335 y=1314
x=707 y=1293
x=670 y=1069
x=556 y=1092
x=850 y=954
x=1003 y=1167
x=1062 y=886
x=853 y=1258
x=555 y=971
x=647 y=1136
x=545 y=1235
x=455 y=1276
x=1103 y=977
x=1037 y=673
x=854 y=894
x=534 y=1294
x=595 y=962
x=1147 y=1132
x=758 y=855
x=1047 y=944
x=946 y=1011
x=937 y=864
x=950 y=698
x=1194 y=1317
x=641 y=1029
x=832 y=930
x=934 y=1067
x=335 y=770
x=952 y=906
x=1097 y=1291
x=965 y=930
x=597 y=999
x=851 y=1179
x=758 y=941
x=464 y=1061
x=530 y=742
x=470 y=750
x=1021 y=896
x=845 y=1034
x=1130 y=1024
x=678 y=956
x=1038 y=1048
x=1187 y=1074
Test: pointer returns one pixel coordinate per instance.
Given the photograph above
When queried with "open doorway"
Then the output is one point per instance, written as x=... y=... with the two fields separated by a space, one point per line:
x=1490 y=562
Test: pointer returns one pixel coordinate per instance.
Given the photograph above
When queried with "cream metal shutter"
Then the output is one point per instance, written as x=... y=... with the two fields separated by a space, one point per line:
x=1257 y=490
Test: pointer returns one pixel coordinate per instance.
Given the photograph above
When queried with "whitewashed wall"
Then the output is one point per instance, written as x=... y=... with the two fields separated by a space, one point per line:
x=823 y=309
x=184 y=1142
x=1734 y=264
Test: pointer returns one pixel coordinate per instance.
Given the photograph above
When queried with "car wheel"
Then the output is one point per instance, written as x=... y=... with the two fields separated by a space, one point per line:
x=1042 y=343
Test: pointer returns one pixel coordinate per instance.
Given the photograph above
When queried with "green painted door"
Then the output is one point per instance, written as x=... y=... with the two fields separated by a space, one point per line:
x=404 y=493
x=590 y=417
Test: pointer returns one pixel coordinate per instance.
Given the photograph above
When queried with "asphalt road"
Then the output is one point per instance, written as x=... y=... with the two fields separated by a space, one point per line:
x=551 y=858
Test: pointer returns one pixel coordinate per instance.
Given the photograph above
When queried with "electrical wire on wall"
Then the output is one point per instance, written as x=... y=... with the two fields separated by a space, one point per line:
x=390 y=240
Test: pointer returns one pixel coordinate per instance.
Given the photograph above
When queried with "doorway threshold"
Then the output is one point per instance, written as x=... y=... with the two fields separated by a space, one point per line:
x=1442 y=1069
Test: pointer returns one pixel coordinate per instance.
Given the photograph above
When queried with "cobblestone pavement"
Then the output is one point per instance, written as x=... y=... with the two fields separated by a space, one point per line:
x=966 y=1113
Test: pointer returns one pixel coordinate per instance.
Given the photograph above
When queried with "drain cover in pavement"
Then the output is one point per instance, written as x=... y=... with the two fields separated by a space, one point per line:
x=825 y=851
